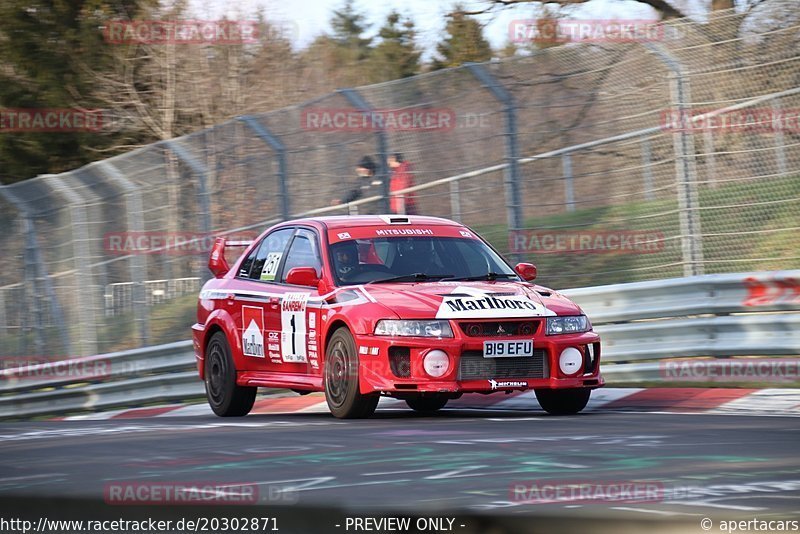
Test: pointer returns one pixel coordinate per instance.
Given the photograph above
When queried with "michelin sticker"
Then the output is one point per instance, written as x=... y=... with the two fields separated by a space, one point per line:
x=473 y=303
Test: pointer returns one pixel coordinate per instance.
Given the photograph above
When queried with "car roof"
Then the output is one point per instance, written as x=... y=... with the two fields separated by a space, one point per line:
x=354 y=221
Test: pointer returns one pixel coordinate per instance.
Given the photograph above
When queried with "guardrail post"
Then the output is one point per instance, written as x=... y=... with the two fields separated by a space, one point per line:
x=685 y=170
x=569 y=186
x=780 y=143
x=512 y=187
x=135 y=223
x=357 y=101
x=647 y=168
x=34 y=264
x=276 y=145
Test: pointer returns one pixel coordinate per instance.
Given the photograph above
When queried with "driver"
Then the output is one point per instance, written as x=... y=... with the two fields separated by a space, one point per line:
x=345 y=259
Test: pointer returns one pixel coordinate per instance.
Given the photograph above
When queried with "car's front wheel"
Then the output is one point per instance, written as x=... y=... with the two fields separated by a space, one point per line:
x=563 y=401
x=342 y=394
x=427 y=403
x=226 y=398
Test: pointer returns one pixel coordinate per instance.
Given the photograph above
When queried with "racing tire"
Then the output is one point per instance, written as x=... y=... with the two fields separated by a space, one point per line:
x=226 y=398
x=563 y=401
x=427 y=403
x=342 y=394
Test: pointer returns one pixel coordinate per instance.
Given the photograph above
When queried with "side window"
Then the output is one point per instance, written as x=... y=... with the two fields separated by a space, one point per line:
x=302 y=253
x=263 y=263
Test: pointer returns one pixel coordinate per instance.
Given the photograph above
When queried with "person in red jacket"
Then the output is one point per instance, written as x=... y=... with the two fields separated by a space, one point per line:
x=402 y=178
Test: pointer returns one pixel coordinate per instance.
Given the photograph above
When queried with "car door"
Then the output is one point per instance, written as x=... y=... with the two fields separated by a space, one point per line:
x=298 y=315
x=256 y=298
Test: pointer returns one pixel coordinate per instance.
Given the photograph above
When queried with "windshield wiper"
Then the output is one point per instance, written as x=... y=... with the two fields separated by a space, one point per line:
x=490 y=276
x=414 y=277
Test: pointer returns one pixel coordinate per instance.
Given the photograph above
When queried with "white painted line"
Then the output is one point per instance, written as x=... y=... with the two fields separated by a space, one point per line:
x=601 y=397
x=650 y=511
x=765 y=401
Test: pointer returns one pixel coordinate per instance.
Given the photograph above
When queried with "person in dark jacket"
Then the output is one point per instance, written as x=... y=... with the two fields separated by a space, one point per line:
x=367 y=185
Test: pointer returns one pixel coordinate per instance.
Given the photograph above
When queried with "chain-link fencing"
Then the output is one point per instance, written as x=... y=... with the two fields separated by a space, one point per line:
x=600 y=163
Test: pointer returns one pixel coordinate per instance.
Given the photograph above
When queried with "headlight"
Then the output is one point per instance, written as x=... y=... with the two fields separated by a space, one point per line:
x=568 y=325
x=413 y=328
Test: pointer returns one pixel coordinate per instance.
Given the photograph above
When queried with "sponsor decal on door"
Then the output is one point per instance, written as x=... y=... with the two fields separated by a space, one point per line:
x=253 y=331
x=294 y=328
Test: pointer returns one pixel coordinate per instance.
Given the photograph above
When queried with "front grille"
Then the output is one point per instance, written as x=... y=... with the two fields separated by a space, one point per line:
x=474 y=366
x=400 y=361
x=499 y=328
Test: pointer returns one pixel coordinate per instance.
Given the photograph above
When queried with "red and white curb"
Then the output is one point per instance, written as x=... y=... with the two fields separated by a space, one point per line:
x=762 y=402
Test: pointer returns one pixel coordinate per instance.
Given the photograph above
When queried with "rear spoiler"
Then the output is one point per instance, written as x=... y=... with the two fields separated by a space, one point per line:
x=216 y=261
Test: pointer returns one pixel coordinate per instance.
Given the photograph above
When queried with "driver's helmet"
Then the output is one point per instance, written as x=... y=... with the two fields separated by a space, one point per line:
x=345 y=258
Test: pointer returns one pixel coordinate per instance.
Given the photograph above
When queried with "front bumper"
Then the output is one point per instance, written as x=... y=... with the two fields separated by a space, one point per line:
x=469 y=371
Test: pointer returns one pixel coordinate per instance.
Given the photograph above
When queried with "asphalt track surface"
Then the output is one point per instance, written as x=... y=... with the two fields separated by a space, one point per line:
x=461 y=461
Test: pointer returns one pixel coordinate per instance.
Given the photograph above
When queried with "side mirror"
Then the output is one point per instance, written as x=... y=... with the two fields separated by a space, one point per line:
x=303 y=276
x=526 y=270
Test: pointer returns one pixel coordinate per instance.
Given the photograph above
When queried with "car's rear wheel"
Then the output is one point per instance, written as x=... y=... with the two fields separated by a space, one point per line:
x=226 y=398
x=427 y=403
x=342 y=394
x=563 y=401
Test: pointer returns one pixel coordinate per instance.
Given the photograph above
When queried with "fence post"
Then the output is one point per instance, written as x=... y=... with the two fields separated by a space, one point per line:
x=455 y=200
x=685 y=170
x=275 y=144
x=512 y=187
x=135 y=223
x=87 y=288
x=780 y=143
x=711 y=160
x=200 y=170
x=34 y=263
x=357 y=101
x=647 y=168
x=569 y=186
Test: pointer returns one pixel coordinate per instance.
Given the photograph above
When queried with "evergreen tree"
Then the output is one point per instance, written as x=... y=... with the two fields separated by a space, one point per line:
x=396 y=56
x=47 y=48
x=348 y=29
x=464 y=41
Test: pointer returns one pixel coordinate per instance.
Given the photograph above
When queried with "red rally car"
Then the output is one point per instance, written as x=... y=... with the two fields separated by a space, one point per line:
x=417 y=308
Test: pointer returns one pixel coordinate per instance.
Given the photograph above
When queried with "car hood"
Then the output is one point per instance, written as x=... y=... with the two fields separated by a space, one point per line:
x=470 y=300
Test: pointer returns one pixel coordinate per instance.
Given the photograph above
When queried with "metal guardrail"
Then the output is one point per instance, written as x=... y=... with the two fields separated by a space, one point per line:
x=151 y=375
x=642 y=325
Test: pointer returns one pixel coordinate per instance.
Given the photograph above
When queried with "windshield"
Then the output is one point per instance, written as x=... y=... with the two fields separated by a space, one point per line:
x=410 y=259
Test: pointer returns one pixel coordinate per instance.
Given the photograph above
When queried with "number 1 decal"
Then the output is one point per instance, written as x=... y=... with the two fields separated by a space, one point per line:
x=293 y=328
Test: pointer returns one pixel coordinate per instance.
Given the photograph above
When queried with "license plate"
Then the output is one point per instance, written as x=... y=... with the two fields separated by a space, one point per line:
x=507 y=349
